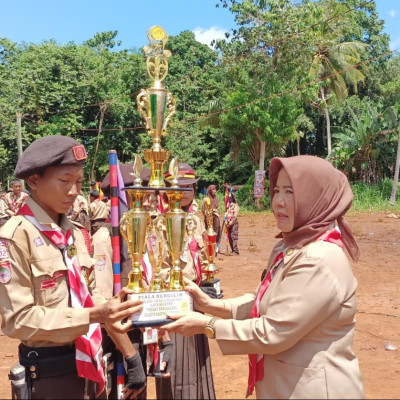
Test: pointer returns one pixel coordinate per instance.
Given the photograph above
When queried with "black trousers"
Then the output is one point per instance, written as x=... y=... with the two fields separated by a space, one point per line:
x=233 y=233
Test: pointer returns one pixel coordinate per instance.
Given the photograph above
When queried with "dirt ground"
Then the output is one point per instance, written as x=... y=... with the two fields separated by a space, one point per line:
x=378 y=309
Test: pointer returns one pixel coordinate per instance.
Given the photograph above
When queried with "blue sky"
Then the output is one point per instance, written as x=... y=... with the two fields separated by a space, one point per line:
x=78 y=20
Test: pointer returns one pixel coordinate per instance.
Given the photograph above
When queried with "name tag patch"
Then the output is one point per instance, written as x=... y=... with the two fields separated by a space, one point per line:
x=38 y=241
x=51 y=283
x=5 y=271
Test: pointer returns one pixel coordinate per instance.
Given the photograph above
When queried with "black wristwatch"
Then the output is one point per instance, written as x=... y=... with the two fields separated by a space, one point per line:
x=210 y=330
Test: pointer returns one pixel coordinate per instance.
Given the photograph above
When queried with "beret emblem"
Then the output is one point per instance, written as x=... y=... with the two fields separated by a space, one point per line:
x=79 y=153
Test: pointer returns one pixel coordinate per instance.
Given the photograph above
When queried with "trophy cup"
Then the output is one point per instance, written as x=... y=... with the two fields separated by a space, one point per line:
x=210 y=243
x=156 y=257
x=157 y=106
x=133 y=226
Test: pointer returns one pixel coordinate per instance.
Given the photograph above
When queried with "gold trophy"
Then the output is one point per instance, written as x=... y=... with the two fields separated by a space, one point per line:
x=133 y=226
x=210 y=244
x=157 y=106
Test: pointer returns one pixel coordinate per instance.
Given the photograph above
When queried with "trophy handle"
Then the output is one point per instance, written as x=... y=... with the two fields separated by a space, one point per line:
x=123 y=229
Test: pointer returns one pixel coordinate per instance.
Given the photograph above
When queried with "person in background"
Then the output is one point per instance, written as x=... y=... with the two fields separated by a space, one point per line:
x=44 y=299
x=98 y=212
x=191 y=376
x=232 y=223
x=80 y=211
x=3 y=216
x=103 y=253
x=298 y=326
x=14 y=199
x=212 y=197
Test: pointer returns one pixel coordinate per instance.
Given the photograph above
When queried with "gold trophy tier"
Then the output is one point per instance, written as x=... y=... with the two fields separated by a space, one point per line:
x=210 y=243
x=156 y=104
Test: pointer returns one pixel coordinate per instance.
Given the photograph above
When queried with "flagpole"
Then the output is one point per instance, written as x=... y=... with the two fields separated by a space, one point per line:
x=115 y=240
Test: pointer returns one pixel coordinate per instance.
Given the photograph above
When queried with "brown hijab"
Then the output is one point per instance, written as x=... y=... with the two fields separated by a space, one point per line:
x=322 y=195
x=213 y=198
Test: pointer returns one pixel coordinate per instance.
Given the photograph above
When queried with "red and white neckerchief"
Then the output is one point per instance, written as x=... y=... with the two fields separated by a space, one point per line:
x=194 y=251
x=147 y=269
x=17 y=201
x=256 y=361
x=89 y=352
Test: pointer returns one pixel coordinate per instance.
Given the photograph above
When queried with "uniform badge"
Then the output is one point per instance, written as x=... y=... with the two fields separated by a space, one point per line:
x=5 y=271
x=4 y=253
x=71 y=251
x=38 y=241
x=100 y=262
x=79 y=152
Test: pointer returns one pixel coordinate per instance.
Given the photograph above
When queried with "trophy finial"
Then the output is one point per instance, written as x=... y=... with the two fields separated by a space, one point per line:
x=174 y=171
x=157 y=55
x=137 y=170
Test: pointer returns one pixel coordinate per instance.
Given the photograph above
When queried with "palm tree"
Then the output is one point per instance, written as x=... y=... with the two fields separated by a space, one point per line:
x=336 y=67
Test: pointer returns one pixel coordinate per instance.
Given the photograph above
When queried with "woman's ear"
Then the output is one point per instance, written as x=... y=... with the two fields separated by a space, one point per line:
x=32 y=181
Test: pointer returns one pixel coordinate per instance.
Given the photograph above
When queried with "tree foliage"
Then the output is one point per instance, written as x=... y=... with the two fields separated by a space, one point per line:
x=259 y=87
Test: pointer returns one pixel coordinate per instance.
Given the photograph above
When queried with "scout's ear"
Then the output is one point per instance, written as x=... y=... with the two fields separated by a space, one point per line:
x=32 y=181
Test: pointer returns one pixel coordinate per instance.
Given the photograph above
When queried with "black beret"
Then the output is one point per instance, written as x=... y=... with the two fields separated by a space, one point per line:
x=94 y=193
x=49 y=151
x=126 y=170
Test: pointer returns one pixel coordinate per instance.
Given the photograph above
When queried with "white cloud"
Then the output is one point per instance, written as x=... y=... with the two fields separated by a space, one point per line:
x=206 y=36
x=392 y=13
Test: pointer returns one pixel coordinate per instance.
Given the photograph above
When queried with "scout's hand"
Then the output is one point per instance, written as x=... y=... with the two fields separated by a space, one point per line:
x=201 y=299
x=188 y=324
x=116 y=310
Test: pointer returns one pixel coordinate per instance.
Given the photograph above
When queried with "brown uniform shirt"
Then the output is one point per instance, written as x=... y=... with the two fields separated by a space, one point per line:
x=98 y=210
x=80 y=204
x=34 y=294
x=3 y=209
x=13 y=203
x=103 y=267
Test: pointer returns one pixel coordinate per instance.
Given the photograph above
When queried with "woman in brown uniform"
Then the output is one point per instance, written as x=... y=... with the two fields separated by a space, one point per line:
x=298 y=327
x=44 y=299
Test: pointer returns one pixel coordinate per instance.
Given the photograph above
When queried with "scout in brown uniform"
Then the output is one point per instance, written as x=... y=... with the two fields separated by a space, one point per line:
x=232 y=224
x=14 y=199
x=44 y=301
x=98 y=211
x=3 y=216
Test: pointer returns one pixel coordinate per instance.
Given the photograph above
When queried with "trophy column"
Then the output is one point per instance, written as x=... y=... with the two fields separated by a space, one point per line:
x=210 y=244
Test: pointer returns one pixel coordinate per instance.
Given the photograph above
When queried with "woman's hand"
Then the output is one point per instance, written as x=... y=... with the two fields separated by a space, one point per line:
x=188 y=324
x=201 y=300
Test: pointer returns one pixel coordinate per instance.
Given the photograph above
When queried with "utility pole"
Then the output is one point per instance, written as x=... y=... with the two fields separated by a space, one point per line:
x=19 y=133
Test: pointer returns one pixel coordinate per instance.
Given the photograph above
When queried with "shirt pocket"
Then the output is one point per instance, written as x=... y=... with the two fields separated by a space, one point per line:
x=50 y=282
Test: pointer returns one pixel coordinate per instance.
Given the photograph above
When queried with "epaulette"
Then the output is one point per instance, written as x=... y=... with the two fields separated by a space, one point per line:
x=79 y=225
x=8 y=229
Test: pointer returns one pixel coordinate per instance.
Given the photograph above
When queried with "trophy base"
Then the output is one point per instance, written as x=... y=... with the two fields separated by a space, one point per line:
x=216 y=284
x=157 y=305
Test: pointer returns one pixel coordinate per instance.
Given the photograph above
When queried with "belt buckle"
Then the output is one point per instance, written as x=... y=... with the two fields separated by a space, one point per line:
x=32 y=354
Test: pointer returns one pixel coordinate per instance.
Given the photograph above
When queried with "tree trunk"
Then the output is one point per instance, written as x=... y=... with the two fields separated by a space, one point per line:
x=328 y=122
x=19 y=134
x=103 y=109
x=396 y=173
x=261 y=166
x=262 y=155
